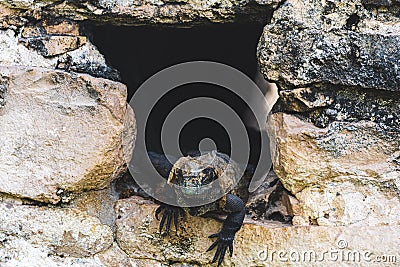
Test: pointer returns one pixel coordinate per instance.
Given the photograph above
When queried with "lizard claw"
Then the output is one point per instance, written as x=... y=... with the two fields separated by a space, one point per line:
x=223 y=242
x=169 y=213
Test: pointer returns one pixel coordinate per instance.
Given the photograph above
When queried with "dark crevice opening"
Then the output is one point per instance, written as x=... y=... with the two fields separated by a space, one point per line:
x=352 y=21
x=139 y=52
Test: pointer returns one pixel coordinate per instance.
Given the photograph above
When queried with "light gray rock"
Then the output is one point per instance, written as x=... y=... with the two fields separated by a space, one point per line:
x=344 y=174
x=19 y=252
x=98 y=204
x=61 y=132
x=332 y=42
x=13 y=53
x=346 y=203
x=86 y=58
x=139 y=12
x=65 y=232
x=114 y=256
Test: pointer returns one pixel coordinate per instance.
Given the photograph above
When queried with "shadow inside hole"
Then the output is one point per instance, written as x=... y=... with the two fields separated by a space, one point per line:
x=140 y=52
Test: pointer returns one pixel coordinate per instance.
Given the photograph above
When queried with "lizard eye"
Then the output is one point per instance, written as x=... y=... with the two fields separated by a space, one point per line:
x=179 y=174
x=208 y=175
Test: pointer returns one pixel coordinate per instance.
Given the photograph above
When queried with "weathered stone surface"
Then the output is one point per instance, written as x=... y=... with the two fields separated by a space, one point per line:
x=54 y=45
x=255 y=244
x=267 y=202
x=18 y=252
x=86 y=59
x=380 y=2
x=346 y=203
x=337 y=65
x=11 y=18
x=182 y=12
x=52 y=39
x=333 y=42
x=304 y=99
x=63 y=27
x=114 y=257
x=98 y=204
x=61 y=132
x=14 y=53
x=68 y=232
x=154 y=263
x=346 y=173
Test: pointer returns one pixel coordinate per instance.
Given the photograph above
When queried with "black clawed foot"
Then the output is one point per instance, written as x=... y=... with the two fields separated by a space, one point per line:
x=223 y=242
x=169 y=213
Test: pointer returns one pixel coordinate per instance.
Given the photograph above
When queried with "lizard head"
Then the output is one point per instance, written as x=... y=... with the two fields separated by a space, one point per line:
x=203 y=177
x=192 y=179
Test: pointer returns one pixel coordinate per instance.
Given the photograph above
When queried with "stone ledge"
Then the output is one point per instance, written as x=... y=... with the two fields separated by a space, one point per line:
x=175 y=12
x=137 y=234
x=64 y=232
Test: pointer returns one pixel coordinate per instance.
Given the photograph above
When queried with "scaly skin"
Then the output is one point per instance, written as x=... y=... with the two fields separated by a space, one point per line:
x=230 y=203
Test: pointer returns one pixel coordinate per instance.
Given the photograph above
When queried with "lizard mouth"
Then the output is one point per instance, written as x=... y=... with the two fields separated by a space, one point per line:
x=194 y=183
x=191 y=190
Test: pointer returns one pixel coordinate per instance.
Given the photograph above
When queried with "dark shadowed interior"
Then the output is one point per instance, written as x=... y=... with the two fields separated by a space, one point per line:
x=140 y=52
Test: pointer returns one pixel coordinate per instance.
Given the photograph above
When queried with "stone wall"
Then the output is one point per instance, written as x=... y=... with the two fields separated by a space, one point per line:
x=123 y=12
x=336 y=126
x=334 y=137
x=62 y=117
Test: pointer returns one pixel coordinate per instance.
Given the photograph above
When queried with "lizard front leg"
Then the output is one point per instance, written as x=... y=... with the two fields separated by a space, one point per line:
x=233 y=222
x=169 y=213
